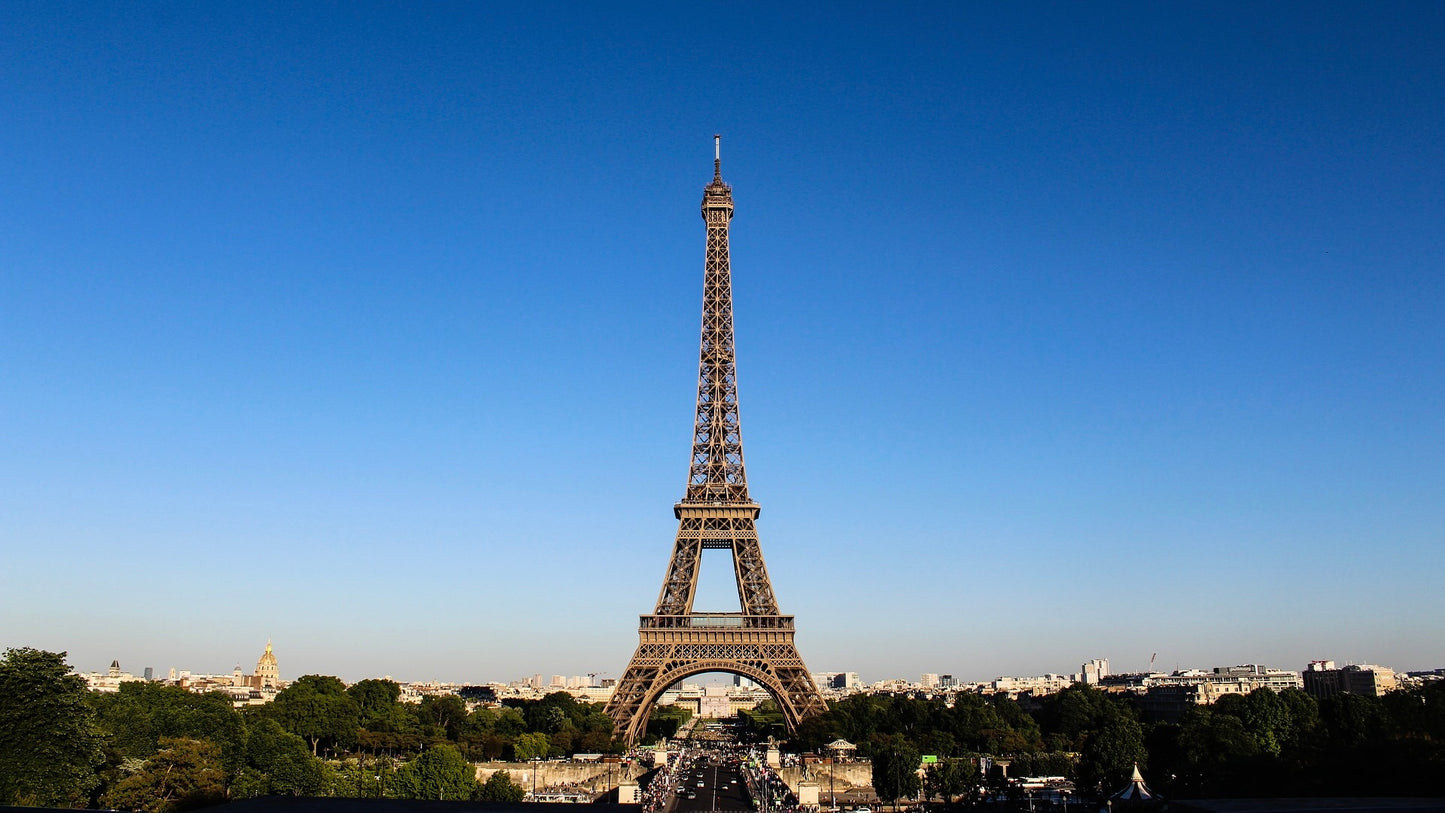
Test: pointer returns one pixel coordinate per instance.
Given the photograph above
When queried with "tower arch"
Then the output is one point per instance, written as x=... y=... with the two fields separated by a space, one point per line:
x=769 y=682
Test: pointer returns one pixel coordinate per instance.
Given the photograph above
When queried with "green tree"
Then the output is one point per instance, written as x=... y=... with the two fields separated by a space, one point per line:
x=438 y=773
x=184 y=774
x=762 y=722
x=560 y=742
x=1075 y=712
x=141 y=713
x=366 y=777
x=1351 y=719
x=530 y=746
x=374 y=694
x=595 y=742
x=950 y=779
x=444 y=714
x=1109 y=753
x=895 y=768
x=499 y=787
x=49 y=748
x=1304 y=716
x=380 y=708
x=317 y=709
x=509 y=722
x=1268 y=720
x=1213 y=748
x=284 y=760
x=664 y=721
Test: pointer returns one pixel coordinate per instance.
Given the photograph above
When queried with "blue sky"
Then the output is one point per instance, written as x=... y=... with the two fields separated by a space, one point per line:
x=1065 y=330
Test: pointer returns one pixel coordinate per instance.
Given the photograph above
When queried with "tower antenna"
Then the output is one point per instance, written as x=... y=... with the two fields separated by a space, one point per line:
x=716 y=157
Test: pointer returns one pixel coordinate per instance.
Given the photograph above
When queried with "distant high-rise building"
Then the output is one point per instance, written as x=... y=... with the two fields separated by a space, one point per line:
x=558 y=682
x=929 y=680
x=837 y=680
x=150 y=673
x=1322 y=679
x=946 y=682
x=1095 y=670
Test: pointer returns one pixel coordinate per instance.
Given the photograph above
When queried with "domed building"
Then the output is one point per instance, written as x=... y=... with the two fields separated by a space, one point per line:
x=268 y=676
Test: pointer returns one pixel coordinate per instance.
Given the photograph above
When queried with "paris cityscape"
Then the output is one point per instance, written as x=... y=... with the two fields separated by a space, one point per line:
x=1093 y=369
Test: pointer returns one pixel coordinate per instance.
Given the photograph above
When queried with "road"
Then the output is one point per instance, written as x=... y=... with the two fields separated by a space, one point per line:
x=721 y=790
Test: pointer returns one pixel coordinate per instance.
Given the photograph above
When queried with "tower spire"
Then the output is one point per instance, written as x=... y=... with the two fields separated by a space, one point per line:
x=716 y=474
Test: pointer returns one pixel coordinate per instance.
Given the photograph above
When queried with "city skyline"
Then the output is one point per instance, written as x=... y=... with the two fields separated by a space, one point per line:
x=546 y=680
x=1065 y=334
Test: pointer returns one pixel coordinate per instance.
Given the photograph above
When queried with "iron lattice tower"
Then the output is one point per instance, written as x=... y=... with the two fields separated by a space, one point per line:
x=716 y=512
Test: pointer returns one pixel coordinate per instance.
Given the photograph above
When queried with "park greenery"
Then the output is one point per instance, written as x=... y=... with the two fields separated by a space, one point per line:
x=158 y=748
x=664 y=723
x=1264 y=744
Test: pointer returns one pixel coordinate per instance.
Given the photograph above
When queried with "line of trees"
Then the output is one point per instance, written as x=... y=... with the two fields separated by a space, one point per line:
x=763 y=721
x=163 y=749
x=1261 y=744
x=664 y=722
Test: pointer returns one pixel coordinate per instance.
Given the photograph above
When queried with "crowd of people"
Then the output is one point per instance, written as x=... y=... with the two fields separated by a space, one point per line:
x=658 y=791
x=770 y=794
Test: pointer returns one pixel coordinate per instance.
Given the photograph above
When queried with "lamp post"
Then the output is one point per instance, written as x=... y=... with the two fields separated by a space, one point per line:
x=832 y=773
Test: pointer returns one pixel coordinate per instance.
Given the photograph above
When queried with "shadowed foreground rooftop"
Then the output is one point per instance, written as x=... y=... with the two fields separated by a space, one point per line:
x=1381 y=804
x=304 y=804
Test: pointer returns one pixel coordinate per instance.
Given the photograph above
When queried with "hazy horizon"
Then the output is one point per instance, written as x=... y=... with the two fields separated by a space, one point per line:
x=707 y=678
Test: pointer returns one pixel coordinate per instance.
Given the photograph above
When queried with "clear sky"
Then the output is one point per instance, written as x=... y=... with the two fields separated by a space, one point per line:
x=1065 y=330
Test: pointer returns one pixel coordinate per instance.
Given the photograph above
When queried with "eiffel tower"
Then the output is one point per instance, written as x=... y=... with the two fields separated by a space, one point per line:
x=676 y=643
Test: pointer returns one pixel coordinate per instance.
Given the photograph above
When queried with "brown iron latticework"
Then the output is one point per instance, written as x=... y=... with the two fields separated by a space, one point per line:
x=716 y=512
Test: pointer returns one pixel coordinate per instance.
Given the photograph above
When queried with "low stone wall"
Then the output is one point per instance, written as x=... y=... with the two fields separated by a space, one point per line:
x=551 y=774
x=845 y=776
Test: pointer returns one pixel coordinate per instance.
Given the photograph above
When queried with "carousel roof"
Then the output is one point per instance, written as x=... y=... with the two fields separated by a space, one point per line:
x=1136 y=791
